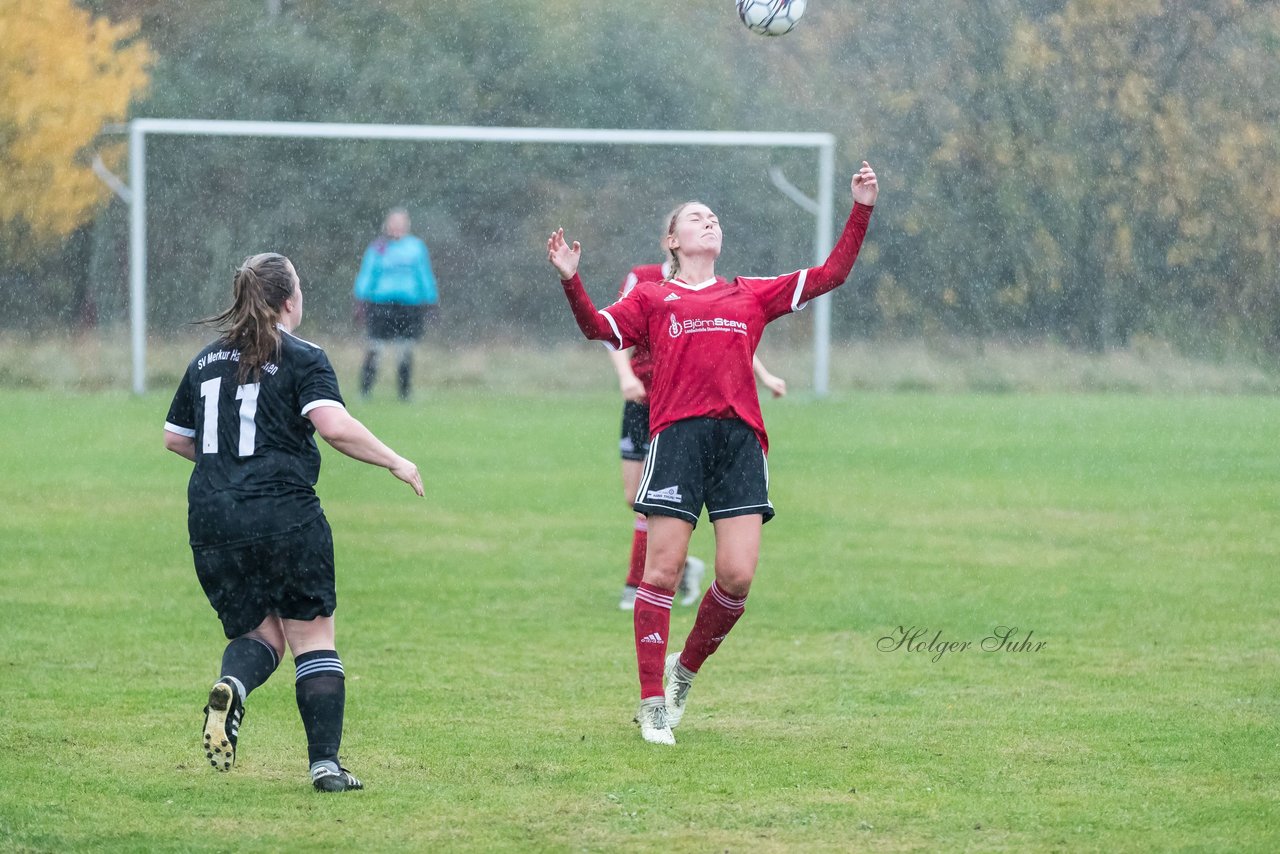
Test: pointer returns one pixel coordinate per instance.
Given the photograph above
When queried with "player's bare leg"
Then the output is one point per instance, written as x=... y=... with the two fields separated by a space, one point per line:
x=689 y=578
x=737 y=553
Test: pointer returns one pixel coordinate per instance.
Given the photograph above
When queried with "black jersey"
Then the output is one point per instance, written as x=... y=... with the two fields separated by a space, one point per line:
x=256 y=457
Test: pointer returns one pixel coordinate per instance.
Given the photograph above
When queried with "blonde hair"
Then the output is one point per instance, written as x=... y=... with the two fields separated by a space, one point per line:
x=258 y=292
x=671 y=229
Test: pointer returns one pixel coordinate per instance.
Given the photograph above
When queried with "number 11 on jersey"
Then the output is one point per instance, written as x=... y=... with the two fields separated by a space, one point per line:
x=211 y=390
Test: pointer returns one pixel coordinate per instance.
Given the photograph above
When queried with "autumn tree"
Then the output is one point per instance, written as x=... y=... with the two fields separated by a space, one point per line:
x=64 y=74
x=1089 y=170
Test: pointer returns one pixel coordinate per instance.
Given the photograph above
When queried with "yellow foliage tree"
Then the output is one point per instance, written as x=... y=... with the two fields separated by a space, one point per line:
x=63 y=75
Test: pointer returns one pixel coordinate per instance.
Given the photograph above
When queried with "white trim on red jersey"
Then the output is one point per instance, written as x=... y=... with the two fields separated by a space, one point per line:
x=699 y=286
x=614 y=327
x=796 y=303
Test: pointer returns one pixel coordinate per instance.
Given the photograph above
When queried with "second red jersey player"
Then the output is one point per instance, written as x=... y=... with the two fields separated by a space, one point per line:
x=641 y=360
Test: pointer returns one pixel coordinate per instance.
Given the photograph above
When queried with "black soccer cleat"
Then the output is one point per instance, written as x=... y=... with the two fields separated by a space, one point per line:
x=222 y=718
x=325 y=779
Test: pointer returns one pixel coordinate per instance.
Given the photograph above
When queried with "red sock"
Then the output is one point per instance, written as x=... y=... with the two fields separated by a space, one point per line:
x=652 y=623
x=639 y=547
x=716 y=616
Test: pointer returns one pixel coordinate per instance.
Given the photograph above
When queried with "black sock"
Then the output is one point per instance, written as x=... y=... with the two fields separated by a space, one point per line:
x=322 y=694
x=403 y=374
x=249 y=662
x=369 y=372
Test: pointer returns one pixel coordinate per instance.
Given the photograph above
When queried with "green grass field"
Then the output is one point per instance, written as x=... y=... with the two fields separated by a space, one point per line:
x=491 y=680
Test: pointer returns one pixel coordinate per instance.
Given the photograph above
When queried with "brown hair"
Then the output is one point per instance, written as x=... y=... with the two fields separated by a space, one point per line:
x=259 y=289
x=671 y=229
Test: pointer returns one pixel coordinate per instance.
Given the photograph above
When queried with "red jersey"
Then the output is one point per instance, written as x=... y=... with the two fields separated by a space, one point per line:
x=702 y=337
x=641 y=358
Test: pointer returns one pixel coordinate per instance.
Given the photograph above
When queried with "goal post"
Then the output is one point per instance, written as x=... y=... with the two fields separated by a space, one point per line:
x=140 y=129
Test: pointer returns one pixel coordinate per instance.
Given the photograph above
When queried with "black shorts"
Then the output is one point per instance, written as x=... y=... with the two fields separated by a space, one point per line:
x=714 y=461
x=290 y=575
x=634 y=443
x=389 y=321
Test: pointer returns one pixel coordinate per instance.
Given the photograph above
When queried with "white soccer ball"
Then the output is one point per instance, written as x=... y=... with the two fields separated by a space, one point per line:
x=770 y=17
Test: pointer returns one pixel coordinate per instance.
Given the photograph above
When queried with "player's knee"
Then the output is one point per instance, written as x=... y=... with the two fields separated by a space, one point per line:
x=662 y=570
x=274 y=640
x=661 y=577
x=735 y=580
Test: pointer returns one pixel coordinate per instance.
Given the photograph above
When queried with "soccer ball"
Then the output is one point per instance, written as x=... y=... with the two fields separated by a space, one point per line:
x=770 y=17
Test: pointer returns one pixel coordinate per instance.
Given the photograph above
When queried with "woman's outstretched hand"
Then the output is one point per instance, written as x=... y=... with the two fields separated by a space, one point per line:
x=864 y=186
x=565 y=257
x=405 y=470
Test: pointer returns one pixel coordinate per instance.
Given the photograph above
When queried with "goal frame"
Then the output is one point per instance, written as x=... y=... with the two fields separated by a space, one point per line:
x=139 y=129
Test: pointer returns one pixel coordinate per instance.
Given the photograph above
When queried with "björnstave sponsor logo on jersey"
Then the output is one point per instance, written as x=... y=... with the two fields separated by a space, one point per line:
x=676 y=328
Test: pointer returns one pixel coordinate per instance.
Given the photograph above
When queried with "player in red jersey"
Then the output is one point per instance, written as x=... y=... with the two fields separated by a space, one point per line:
x=708 y=438
x=634 y=368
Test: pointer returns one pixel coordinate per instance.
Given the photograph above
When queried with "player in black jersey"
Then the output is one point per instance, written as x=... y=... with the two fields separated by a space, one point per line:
x=245 y=414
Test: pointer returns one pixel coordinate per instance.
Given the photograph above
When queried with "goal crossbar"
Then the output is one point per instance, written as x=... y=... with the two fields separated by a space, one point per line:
x=139 y=129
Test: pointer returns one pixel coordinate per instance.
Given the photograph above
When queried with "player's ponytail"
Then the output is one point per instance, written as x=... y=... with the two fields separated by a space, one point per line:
x=258 y=290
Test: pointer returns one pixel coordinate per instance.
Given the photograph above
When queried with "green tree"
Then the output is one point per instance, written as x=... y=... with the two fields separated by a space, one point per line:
x=483 y=209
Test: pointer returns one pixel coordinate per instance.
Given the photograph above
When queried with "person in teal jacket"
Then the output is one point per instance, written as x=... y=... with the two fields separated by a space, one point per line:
x=396 y=291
